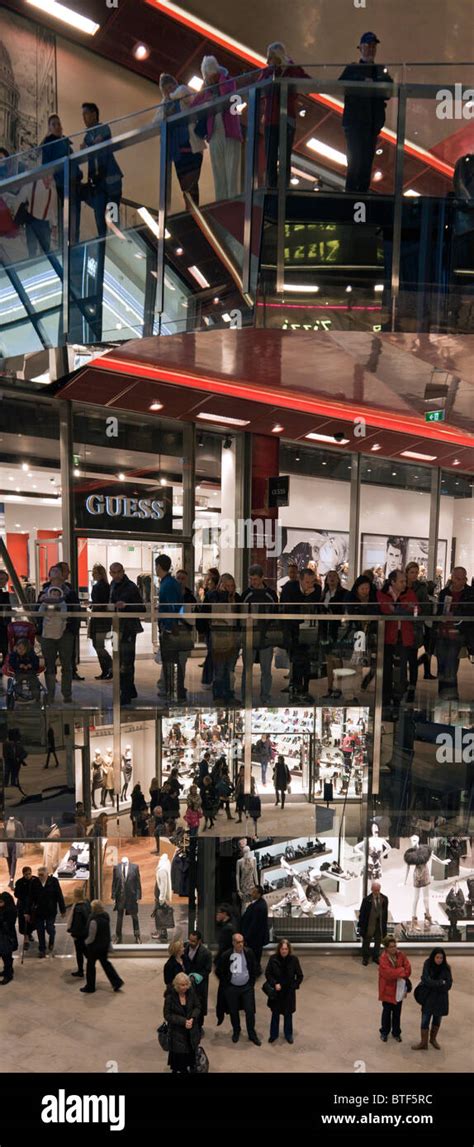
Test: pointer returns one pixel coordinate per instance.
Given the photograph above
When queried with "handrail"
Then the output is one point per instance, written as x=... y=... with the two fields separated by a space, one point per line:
x=206 y=613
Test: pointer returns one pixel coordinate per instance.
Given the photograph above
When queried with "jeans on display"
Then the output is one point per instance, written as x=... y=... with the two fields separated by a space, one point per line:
x=127 y=668
x=237 y=999
x=103 y=655
x=62 y=647
x=272 y=147
x=366 y=942
x=391 y=1014
x=361 y=141
x=109 y=970
x=120 y=916
x=45 y=925
x=264 y=767
x=81 y=951
x=225 y=161
x=427 y=1017
x=287 y=1025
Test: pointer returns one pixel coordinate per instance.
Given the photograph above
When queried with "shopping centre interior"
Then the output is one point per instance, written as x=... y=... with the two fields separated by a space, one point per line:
x=275 y=374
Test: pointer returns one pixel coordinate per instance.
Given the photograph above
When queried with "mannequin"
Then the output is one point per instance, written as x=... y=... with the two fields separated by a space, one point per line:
x=127 y=770
x=378 y=850
x=126 y=892
x=418 y=857
x=12 y=848
x=108 y=777
x=52 y=849
x=96 y=779
x=246 y=876
x=163 y=912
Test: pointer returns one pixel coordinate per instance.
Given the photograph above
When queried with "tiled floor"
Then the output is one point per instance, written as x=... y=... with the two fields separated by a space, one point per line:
x=49 y=1026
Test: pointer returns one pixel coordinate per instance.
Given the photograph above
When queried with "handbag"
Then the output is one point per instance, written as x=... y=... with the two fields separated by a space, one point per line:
x=223 y=640
x=409 y=986
x=269 y=990
x=163 y=1036
x=202 y=1062
x=455 y=900
x=421 y=993
x=179 y=639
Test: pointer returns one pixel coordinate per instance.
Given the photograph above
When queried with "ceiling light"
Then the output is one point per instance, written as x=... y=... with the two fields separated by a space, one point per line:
x=419 y=457
x=294 y=180
x=215 y=300
x=327 y=152
x=195 y=83
x=379 y=151
x=17 y=488
x=35 y=487
x=376 y=446
x=179 y=251
x=10 y=478
x=348 y=288
x=156 y=406
x=297 y=458
x=411 y=193
x=277 y=428
x=327 y=438
x=17 y=525
x=200 y=439
x=223 y=418
x=456 y=462
x=369 y=469
x=394 y=473
x=77 y=473
x=301 y=288
x=141 y=52
x=60 y=12
x=163 y=481
x=138 y=255
x=377 y=176
x=198 y=276
x=25 y=466
x=121 y=477
x=302 y=112
x=323 y=463
x=152 y=223
x=378 y=287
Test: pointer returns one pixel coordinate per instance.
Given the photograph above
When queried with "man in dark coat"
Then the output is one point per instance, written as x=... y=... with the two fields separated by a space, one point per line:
x=8 y=937
x=237 y=971
x=255 y=925
x=22 y=892
x=373 y=915
x=197 y=958
x=126 y=892
x=46 y=900
x=364 y=115
x=126 y=597
x=226 y=926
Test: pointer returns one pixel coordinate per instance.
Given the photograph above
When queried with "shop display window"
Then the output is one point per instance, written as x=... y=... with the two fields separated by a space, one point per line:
x=146 y=888
x=137 y=764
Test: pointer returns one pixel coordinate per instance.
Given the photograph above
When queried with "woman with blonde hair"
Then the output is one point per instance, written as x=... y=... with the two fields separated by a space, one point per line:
x=182 y=1010
x=100 y=626
x=175 y=964
x=79 y=927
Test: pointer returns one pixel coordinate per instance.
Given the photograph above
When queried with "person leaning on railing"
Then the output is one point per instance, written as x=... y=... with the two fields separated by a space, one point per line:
x=222 y=129
x=454 y=635
x=279 y=66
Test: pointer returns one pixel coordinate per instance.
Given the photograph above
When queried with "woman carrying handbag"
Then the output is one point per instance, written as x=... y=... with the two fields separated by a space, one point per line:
x=283 y=977
x=433 y=995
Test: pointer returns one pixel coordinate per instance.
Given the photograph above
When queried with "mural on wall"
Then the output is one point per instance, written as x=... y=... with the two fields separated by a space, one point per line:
x=393 y=552
x=327 y=548
x=27 y=82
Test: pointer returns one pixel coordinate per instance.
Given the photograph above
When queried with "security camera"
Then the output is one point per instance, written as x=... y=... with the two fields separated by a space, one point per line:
x=339 y=435
x=227 y=442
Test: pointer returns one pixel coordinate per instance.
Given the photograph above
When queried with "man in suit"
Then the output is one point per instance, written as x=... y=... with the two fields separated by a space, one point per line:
x=255 y=925
x=373 y=917
x=126 y=892
x=237 y=970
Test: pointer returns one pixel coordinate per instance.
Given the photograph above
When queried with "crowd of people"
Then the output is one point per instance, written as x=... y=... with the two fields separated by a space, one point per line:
x=33 y=212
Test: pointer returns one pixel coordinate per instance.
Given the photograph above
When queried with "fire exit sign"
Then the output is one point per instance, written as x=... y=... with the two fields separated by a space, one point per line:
x=435 y=415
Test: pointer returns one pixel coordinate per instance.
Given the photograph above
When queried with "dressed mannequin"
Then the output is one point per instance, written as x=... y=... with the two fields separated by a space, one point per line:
x=12 y=848
x=52 y=849
x=163 y=912
x=108 y=777
x=418 y=858
x=246 y=876
x=126 y=892
x=97 y=776
x=127 y=770
x=378 y=850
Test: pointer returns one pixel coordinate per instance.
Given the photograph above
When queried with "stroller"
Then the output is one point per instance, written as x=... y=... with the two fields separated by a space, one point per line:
x=22 y=687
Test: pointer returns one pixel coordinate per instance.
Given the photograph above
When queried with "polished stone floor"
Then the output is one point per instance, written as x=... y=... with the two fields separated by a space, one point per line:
x=49 y=1026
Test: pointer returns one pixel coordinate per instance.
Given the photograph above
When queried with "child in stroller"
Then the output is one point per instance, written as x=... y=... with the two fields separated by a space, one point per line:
x=22 y=664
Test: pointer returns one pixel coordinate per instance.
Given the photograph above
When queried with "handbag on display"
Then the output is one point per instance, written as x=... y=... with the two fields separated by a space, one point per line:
x=289 y=852
x=456 y=899
x=163 y=1036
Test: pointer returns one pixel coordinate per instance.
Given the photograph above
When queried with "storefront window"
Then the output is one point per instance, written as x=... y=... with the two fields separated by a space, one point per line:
x=457 y=517
x=320 y=479
x=394 y=525
x=30 y=503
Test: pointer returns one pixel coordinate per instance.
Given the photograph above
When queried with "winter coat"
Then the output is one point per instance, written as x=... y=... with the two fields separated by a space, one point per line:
x=232 y=126
x=403 y=605
x=102 y=942
x=79 y=925
x=272 y=98
x=202 y=964
x=281 y=776
x=437 y=1001
x=465 y=605
x=223 y=966
x=100 y=597
x=126 y=893
x=364 y=914
x=181 y=1039
x=254 y=925
x=8 y=915
x=171 y=969
x=46 y=899
x=284 y=970
x=388 y=976
x=128 y=592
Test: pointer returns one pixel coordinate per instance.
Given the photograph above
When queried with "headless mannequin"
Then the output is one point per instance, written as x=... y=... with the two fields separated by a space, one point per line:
x=163 y=879
x=421 y=872
x=127 y=770
x=246 y=876
x=378 y=850
x=163 y=894
x=97 y=775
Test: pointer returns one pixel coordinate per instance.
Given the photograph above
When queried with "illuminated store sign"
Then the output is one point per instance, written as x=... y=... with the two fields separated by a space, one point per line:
x=130 y=509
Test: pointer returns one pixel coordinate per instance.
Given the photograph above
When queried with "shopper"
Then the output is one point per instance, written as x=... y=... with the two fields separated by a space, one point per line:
x=209 y=802
x=253 y=805
x=240 y=794
x=281 y=780
x=222 y=129
x=126 y=597
x=455 y=600
x=45 y=902
x=400 y=643
x=79 y=928
x=260 y=599
x=224 y=790
x=364 y=115
x=362 y=599
x=254 y=925
x=226 y=926
x=290 y=592
x=279 y=66
x=186 y=147
x=98 y=944
x=182 y=1011
x=8 y=937
x=193 y=814
x=373 y=916
x=5 y=610
x=197 y=960
x=138 y=812
x=172 y=634
x=225 y=640
x=175 y=961
x=104 y=177
x=436 y=983
x=237 y=970
x=58 y=634
x=263 y=752
x=188 y=598
x=55 y=147
x=333 y=596
x=304 y=642
x=99 y=627
x=394 y=971
x=284 y=977
x=51 y=745
x=22 y=893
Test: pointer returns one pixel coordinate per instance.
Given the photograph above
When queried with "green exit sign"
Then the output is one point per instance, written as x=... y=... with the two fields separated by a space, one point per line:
x=435 y=415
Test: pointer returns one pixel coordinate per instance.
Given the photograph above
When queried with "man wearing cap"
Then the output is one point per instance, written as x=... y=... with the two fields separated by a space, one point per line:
x=364 y=116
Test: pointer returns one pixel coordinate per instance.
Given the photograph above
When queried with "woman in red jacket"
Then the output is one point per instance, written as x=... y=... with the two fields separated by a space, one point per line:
x=394 y=970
